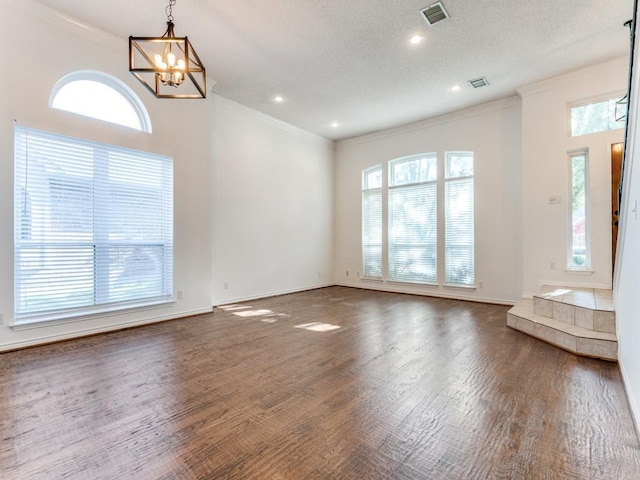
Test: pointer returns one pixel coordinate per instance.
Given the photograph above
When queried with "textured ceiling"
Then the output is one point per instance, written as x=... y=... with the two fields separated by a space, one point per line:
x=350 y=62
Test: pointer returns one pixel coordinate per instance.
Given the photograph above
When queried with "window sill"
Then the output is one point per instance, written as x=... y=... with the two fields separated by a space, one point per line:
x=40 y=321
x=419 y=284
x=583 y=271
x=454 y=286
x=372 y=279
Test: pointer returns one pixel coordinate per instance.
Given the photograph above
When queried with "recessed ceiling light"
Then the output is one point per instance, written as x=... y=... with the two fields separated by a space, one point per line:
x=456 y=88
x=416 y=39
x=335 y=125
x=278 y=98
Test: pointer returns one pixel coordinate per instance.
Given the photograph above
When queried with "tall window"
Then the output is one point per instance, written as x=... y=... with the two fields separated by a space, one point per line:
x=459 y=219
x=372 y=222
x=579 y=257
x=93 y=227
x=429 y=232
x=413 y=219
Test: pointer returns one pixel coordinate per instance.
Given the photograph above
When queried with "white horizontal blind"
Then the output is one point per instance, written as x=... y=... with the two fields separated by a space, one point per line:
x=372 y=222
x=93 y=226
x=413 y=219
x=459 y=219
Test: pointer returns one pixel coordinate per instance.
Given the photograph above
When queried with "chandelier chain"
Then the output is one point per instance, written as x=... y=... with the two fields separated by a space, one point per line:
x=169 y=10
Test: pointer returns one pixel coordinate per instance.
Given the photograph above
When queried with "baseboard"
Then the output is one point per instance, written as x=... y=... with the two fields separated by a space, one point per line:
x=276 y=293
x=392 y=288
x=97 y=330
x=634 y=406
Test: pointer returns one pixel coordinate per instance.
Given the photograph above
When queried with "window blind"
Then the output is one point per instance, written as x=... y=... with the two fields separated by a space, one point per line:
x=413 y=219
x=93 y=226
x=372 y=222
x=459 y=219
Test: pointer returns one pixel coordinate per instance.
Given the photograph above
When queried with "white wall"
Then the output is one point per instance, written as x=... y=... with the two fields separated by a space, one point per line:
x=41 y=48
x=273 y=206
x=627 y=278
x=253 y=197
x=546 y=142
x=492 y=132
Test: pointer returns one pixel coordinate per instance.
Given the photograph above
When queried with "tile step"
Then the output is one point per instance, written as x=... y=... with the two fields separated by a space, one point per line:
x=591 y=298
x=583 y=307
x=575 y=339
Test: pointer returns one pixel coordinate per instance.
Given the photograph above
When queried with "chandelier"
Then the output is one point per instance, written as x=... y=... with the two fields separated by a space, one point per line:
x=167 y=66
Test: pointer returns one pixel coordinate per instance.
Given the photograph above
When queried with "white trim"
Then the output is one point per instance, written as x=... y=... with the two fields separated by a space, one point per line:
x=582 y=152
x=555 y=283
x=445 y=118
x=58 y=318
x=282 y=125
x=585 y=272
x=388 y=287
x=565 y=78
x=634 y=406
x=372 y=279
x=111 y=82
x=277 y=293
x=96 y=330
x=69 y=24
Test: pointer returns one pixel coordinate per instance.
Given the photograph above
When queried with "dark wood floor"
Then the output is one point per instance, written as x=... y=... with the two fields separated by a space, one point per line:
x=407 y=388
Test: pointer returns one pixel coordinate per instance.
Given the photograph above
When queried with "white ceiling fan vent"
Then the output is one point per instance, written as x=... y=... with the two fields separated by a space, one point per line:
x=479 y=82
x=434 y=13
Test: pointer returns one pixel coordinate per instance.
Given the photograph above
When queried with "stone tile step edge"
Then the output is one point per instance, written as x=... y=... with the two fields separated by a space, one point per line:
x=596 y=299
x=524 y=309
x=598 y=320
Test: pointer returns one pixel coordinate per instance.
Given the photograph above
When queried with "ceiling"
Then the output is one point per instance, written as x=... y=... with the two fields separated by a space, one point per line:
x=350 y=61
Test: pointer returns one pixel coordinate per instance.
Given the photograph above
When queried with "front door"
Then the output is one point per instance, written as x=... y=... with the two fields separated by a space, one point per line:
x=616 y=167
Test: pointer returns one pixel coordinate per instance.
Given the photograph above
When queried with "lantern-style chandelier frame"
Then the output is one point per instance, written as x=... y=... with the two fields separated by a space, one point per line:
x=168 y=66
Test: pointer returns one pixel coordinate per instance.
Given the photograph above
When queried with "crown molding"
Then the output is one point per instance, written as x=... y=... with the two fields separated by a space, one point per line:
x=67 y=23
x=569 y=77
x=495 y=105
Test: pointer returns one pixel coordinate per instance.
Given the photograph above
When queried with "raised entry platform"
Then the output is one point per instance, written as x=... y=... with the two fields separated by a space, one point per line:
x=580 y=320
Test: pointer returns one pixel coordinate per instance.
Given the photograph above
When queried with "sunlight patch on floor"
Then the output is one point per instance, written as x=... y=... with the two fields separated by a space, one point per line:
x=318 y=327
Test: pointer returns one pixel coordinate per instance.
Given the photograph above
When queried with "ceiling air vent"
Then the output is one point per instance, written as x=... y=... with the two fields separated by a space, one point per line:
x=434 y=13
x=479 y=82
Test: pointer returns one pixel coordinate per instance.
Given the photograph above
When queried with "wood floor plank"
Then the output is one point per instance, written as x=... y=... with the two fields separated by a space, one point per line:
x=334 y=383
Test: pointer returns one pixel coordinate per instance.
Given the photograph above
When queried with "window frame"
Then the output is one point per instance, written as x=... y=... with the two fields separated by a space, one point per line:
x=366 y=192
x=448 y=180
x=158 y=240
x=413 y=184
x=587 y=102
x=586 y=267
x=111 y=82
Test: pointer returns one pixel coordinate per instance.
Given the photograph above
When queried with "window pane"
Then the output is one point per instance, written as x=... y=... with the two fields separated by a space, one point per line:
x=594 y=117
x=578 y=254
x=54 y=277
x=413 y=170
x=459 y=164
x=96 y=100
x=372 y=178
x=372 y=223
x=413 y=226
x=93 y=225
x=459 y=232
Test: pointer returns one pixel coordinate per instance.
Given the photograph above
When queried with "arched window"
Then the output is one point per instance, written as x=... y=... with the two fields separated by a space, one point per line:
x=102 y=96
